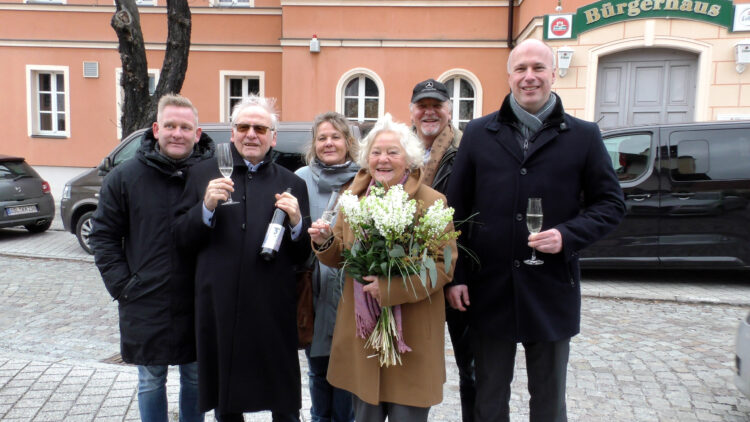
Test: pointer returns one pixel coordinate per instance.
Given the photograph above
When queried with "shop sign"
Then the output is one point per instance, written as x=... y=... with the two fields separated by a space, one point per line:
x=606 y=12
x=741 y=17
x=560 y=26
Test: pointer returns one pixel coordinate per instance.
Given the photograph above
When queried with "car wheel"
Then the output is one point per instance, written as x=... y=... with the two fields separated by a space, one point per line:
x=38 y=228
x=83 y=230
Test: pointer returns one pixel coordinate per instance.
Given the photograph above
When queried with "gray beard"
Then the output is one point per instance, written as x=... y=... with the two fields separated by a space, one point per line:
x=434 y=132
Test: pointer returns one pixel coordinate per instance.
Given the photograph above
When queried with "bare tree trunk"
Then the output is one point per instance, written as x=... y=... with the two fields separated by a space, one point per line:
x=139 y=108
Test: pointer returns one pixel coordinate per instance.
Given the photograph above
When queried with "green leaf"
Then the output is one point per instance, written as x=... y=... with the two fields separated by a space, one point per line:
x=397 y=252
x=414 y=249
x=355 y=248
x=430 y=264
x=423 y=275
x=384 y=267
x=448 y=257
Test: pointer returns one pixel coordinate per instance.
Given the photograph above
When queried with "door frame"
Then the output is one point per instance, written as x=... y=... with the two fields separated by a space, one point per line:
x=650 y=40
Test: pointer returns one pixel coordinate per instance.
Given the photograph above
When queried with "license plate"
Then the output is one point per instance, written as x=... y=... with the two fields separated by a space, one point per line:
x=21 y=209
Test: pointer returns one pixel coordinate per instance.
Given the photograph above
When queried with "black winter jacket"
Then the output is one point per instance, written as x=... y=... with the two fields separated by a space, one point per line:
x=135 y=251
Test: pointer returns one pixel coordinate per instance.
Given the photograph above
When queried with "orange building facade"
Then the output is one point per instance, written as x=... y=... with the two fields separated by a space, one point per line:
x=60 y=74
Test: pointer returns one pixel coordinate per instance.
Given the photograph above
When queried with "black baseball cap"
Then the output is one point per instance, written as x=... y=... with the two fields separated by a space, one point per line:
x=430 y=89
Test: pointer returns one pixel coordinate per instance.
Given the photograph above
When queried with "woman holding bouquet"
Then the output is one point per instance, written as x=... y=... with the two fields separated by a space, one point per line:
x=401 y=388
x=331 y=163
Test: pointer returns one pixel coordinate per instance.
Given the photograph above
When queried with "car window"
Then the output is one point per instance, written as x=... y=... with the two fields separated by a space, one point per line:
x=712 y=154
x=219 y=136
x=10 y=170
x=630 y=154
x=288 y=152
x=128 y=151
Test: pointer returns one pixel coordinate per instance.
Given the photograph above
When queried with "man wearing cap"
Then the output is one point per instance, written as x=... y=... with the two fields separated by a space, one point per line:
x=431 y=109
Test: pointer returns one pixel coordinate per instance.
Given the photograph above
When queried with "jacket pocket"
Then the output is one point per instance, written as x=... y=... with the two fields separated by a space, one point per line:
x=135 y=289
x=574 y=272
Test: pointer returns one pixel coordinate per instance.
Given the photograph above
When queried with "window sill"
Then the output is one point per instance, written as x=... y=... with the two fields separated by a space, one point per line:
x=50 y=136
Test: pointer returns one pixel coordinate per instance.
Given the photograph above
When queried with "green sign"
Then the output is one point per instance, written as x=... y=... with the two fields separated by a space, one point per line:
x=606 y=12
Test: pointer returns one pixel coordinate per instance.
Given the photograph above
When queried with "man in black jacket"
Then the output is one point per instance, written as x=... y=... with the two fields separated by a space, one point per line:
x=529 y=148
x=145 y=272
x=430 y=110
x=245 y=304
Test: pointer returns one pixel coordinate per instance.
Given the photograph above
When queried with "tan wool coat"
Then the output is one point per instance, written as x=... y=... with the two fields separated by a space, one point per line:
x=419 y=380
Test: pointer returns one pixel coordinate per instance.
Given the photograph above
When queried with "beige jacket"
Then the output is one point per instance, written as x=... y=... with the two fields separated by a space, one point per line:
x=419 y=381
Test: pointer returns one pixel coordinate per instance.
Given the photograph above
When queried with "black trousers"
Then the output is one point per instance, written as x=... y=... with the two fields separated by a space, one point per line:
x=546 y=367
x=458 y=328
x=366 y=412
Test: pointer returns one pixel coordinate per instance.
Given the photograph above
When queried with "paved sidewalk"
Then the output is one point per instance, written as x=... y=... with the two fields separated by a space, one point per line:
x=731 y=288
x=654 y=346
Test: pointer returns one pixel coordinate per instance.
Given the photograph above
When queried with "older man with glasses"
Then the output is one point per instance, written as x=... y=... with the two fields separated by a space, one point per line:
x=245 y=304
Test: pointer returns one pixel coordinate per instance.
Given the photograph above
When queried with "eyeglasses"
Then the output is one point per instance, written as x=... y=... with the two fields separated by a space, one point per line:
x=259 y=129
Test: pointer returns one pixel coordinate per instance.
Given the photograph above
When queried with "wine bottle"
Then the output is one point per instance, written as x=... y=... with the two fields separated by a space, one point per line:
x=274 y=233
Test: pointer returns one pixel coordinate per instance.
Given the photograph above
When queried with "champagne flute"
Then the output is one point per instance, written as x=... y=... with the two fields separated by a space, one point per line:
x=329 y=215
x=226 y=165
x=534 y=224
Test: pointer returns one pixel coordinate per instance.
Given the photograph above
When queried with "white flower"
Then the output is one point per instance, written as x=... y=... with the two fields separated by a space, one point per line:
x=354 y=214
x=392 y=213
x=436 y=218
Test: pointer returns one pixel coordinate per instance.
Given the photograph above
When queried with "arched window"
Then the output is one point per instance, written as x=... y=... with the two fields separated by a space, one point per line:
x=360 y=96
x=466 y=96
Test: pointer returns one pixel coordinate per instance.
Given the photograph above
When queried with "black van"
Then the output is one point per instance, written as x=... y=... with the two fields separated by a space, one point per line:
x=81 y=194
x=687 y=189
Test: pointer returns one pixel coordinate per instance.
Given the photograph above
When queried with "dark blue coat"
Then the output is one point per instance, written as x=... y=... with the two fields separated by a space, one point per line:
x=567 y=166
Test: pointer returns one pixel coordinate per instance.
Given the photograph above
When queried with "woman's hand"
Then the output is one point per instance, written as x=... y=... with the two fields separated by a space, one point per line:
x=373 y=287
x=320 y=231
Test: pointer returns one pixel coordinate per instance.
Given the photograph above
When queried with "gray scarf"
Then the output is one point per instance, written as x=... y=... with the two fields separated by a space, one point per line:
x=531 y=123
x=329 y=178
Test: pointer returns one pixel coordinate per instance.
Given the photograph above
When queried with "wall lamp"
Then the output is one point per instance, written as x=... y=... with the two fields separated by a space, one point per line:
x=564 y=56
x=741 y=55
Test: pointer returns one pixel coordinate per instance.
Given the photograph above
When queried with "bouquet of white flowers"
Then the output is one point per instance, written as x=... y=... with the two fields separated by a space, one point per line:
x=391 y=240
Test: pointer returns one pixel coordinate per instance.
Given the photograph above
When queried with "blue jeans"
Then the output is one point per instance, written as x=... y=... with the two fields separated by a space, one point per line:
x=152 y=393
x=329 y=404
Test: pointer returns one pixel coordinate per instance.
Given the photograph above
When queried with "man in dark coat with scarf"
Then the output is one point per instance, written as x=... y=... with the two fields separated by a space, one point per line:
x=430 y=110
x=145 y=272
x=245 y=305
x=529 y=148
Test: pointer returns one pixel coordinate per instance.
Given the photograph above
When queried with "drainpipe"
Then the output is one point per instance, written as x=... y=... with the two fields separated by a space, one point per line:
x=511 y=4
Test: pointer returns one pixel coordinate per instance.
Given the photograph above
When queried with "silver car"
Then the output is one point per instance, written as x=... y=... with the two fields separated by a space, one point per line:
x=25 y=198
x=742 y=379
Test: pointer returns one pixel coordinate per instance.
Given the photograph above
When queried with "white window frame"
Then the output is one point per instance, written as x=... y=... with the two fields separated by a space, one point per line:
x=232 y=3
x=457 y=74
x=224 y=77
x=32 y=100
x=44 y=1
x=119 y=95
x=142 y=3
x=348 y=77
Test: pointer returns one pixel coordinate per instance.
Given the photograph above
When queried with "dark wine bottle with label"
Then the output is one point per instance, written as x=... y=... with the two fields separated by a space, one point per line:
x=275 y=233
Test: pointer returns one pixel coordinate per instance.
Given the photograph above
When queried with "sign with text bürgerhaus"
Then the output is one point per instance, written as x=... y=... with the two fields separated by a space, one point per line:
x=606 y=12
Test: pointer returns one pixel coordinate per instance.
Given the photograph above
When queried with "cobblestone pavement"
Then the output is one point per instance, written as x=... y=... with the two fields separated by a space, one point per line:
x=653 y=347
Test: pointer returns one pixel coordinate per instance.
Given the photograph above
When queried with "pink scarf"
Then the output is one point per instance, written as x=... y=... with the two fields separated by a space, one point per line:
x=367 y=309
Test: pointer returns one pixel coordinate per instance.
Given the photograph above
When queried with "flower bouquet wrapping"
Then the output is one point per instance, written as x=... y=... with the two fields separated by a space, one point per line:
x=393 y=239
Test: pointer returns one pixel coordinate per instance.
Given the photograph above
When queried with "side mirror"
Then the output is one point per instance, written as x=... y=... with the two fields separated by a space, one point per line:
x=105 y=166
